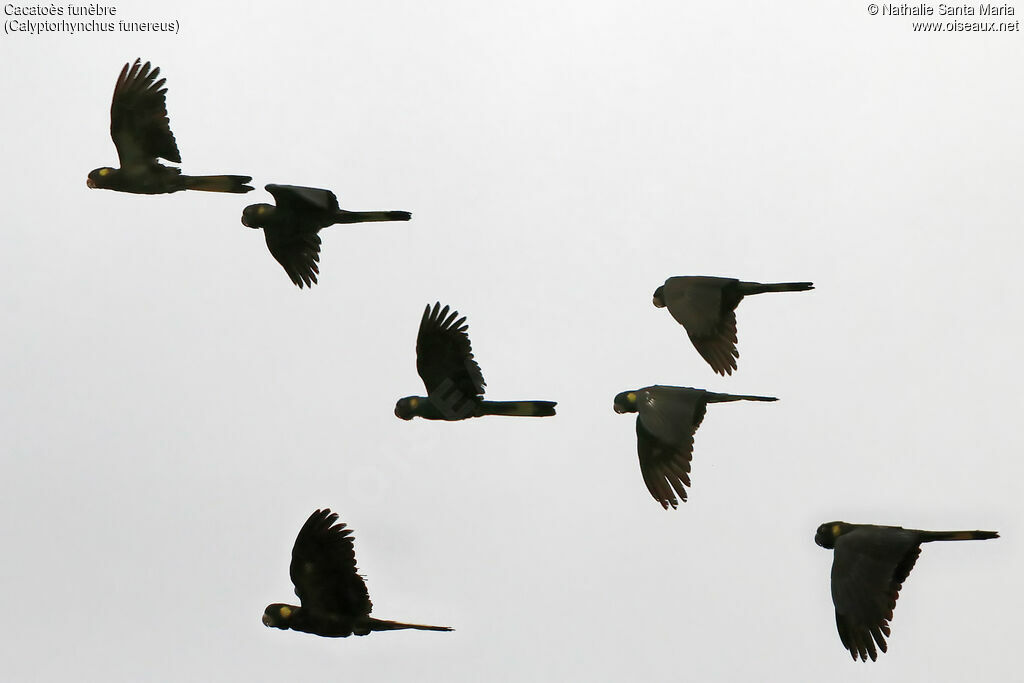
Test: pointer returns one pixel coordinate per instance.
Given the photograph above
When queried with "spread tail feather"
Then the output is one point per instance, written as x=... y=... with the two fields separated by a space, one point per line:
x=928 y=536
x=384 y=625
x=518 y=408
x=218 y=183
x=747 y=288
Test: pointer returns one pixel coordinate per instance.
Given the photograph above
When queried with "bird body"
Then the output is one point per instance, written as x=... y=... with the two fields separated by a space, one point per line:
x=333 y=625
x=705 y=306
x=869 y=565
x=461 y=409
x=156 y=178
x=667 y=419
x=142 y=135
x=292 y=224
x=335 y=602
x=452 y=377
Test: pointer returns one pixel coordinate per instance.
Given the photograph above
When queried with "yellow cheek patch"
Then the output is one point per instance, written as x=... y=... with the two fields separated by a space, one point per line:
x=260 y=210
x=835 y=529
x=413 y=403
x=104 y=171
x=286 y=612
x=631 y=397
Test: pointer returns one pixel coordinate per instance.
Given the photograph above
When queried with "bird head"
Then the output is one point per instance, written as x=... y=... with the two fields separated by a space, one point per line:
x=278 y=615
x=828 y=532
x=659 y=297
x=625 y=402
x=254 y=214
x=406 y=408
x=100 y=177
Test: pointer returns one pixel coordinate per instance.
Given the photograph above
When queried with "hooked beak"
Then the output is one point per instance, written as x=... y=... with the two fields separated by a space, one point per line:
x=90 y=183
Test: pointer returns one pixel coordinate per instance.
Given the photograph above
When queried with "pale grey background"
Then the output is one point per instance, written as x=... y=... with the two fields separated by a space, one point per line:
x=173 y=408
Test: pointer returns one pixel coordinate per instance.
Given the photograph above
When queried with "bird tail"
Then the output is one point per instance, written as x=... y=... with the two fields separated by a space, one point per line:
x=218 y=183
x=384 y=625
x=748 y=288
x=928 y=536
x=725 y=398
x=370 y=216
x=518 y=408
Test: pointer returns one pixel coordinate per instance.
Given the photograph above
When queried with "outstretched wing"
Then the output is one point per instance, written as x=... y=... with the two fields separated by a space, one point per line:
x=705 y=306
x=323 y=568
x=138 y=117
x=667 y=419
x=869 y=567
x=298 y=199
x=444 y=357
x=297 y=252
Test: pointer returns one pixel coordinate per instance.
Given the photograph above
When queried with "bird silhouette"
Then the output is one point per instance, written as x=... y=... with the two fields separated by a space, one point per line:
x=869 y=565
x=292 y=225
x=454 y=382
x=667 y=418
x=335 y=602
x=142 y=134
x=706 y=307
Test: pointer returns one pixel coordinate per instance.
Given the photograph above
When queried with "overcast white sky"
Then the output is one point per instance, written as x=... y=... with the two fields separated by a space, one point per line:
x=174 y=408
